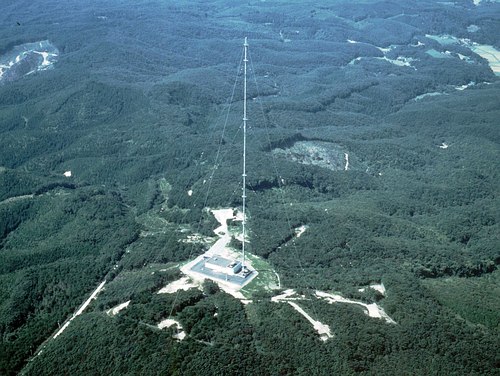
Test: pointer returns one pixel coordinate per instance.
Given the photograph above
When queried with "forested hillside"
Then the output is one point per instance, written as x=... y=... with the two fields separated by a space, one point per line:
x=373 y=126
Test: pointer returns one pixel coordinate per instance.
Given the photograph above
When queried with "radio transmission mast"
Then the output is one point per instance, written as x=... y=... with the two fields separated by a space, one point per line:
x=244 y=175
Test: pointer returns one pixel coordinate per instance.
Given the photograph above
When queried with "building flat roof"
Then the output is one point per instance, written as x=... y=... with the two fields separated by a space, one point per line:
x=219 y=261
x=227 y=277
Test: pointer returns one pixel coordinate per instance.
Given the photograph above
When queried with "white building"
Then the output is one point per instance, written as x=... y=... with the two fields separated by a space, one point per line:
x=222 y=265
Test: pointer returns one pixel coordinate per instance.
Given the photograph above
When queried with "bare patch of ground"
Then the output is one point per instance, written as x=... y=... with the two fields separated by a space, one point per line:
x=286 y=296
x=317 y=153
x=167 y=323
x=300 y=230
x=197 y=239
x=376 y=286
x=183 y=283
x=322 y=329
x=115 y=310
x=372 y=310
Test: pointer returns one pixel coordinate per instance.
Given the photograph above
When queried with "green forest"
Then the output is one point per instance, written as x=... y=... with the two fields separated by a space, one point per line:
x=382 y=141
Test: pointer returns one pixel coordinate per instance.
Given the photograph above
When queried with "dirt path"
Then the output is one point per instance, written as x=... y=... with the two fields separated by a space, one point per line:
x=80 y=310
x=372 y=310
x=322 y=329
x=288 y=297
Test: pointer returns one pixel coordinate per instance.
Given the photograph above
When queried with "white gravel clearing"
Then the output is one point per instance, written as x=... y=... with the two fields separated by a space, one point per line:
x=322 y=329
x=183 y=283
x=115 y=310
x=286 y=296
x=372 y=310
x=379 y=287
x=300 y=230
x=167 y=323
x=222 y=215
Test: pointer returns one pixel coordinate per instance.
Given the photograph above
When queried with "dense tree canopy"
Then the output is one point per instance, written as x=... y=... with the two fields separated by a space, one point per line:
x=366 y=131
